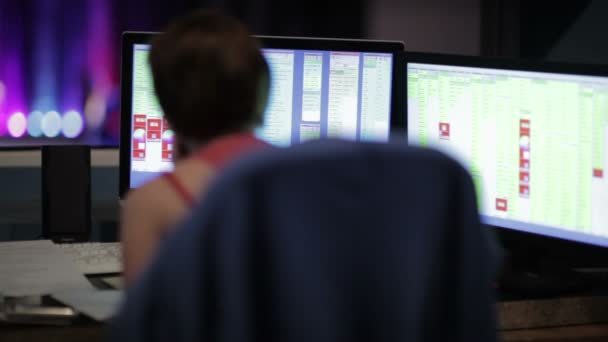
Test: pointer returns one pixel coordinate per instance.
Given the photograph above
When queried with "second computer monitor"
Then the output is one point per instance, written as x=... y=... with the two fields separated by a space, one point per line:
x=319 y=88
x=328 y=88
x=534 y=137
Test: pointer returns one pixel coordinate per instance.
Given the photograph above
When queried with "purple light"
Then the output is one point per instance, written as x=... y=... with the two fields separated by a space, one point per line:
x=54 y=56
x=99 y=47
x=3 y=123
x=2 y=93
x=168 y=135
x=100 y=63
x=74 y=73
x=17 y=125
x=2 y=116
x=14 y=97
x=45 y=52
x=11 y=74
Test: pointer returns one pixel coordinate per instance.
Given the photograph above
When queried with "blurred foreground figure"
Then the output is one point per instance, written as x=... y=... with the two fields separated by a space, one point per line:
x=325 y=241
x=212 y=83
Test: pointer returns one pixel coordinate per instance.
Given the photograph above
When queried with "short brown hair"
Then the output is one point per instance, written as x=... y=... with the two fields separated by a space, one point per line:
x=209 y=75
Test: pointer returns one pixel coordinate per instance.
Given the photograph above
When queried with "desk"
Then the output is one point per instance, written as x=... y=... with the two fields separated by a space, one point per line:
x=83 y=329
x=554 y=312
x=87 y=332
x=97 y=332
x=561 y=319
x=578 y=333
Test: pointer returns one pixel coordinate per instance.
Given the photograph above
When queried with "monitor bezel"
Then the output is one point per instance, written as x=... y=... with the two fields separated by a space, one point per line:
x=129 y=39
x=577 y=253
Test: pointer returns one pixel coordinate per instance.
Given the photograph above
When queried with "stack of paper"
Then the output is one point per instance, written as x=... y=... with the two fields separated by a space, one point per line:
x=99 y=305
x=33 y=268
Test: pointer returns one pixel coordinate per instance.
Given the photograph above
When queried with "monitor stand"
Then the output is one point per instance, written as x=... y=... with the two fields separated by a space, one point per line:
x=527 y=274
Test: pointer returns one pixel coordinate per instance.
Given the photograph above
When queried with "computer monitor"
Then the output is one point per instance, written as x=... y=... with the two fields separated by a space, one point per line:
x=319 y=88
x=534 y=137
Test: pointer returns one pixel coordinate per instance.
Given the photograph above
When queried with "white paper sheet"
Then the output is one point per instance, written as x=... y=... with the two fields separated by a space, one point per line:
x=99 y=305
x=32 y=268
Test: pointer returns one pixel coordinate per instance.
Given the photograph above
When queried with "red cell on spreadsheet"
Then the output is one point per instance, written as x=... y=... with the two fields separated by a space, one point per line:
x=598 y=173
x=524 y=164
x=524 y=154
x=501 y=204
x=153 y=135
x=524 y=190
x=139 y=145
x=154 y=129
x=524 y=176
x=139 y=121
x=155 y=124
x=524 y=127
x=167 y=145
x=444 y=130
x=139 y=154
x=167 y=142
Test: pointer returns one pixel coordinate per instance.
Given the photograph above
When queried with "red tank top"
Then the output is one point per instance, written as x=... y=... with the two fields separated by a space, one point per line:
x=217 y=154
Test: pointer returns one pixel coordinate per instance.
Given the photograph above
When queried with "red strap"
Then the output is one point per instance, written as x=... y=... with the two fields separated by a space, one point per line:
x=225 y=149
x=180 y=189
x=218 y=153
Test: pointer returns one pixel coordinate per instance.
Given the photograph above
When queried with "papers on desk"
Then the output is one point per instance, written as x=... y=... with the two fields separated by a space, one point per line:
x=115 y=282
x=99 y=305
x=32 y=268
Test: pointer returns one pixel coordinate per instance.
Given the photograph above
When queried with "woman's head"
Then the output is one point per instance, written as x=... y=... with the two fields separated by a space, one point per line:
x=210 y=76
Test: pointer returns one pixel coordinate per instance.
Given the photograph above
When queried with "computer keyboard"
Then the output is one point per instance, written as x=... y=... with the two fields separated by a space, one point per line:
x=95 y=257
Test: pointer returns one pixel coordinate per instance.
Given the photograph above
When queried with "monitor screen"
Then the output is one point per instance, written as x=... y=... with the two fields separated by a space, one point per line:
x=314 y=94
x=535 y=143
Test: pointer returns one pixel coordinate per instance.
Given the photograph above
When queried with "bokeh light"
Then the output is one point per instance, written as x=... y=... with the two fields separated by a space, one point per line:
x=17 y=125
x=48 y=69
x=73 y=124
x=95 y=111
x=51 y=124
x=139 y=134
x=168 y=135
x=34 y=124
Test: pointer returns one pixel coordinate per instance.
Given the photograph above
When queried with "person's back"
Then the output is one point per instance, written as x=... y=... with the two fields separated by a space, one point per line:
x=212 y=82
x=324 y=241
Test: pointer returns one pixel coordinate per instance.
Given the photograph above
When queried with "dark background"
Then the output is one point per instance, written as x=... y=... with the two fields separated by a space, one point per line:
x=82 y=54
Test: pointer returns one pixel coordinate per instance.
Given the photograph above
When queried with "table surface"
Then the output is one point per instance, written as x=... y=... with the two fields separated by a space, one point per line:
x=92 y=332
x=89 y=332
x=582 y=318
x=582 y=333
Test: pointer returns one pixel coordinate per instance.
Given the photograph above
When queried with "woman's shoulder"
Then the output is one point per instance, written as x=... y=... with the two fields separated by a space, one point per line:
x=149 y=196
x=192 y=173
x=165 y=192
